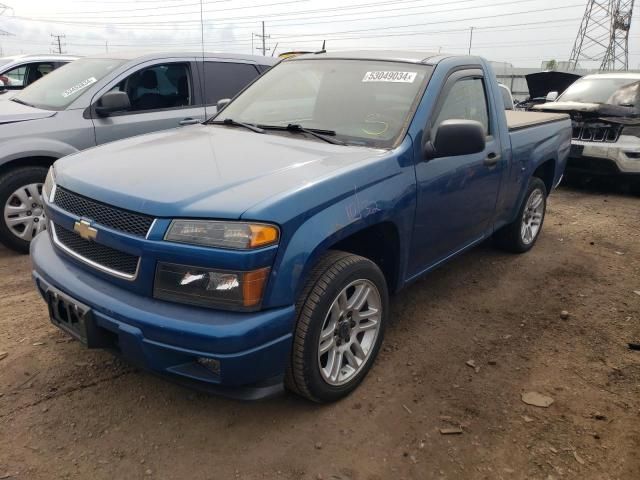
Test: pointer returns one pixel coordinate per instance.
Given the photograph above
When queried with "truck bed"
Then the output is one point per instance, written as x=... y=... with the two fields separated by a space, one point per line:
x=517 y=120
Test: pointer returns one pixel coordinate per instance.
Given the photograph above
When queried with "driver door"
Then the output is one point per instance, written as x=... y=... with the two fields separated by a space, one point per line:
x=457 y=195
x=163 y=95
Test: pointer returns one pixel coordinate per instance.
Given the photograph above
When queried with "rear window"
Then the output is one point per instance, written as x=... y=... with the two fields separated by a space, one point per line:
x=226 y=79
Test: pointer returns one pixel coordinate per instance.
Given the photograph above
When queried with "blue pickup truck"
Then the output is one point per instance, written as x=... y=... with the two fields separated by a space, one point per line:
x=258 y=250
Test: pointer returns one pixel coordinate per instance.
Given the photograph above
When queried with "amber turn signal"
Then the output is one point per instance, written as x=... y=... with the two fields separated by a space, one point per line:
x=262 y=235
x=253 y=286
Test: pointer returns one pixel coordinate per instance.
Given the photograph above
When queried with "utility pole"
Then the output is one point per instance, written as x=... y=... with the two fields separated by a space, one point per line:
x=57 y=42
x=106 y=46
x=470 y=39
x=264 y=39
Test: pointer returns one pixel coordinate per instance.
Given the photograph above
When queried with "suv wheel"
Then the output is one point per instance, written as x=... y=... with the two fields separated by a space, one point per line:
x=342 y=313
x=22 y=207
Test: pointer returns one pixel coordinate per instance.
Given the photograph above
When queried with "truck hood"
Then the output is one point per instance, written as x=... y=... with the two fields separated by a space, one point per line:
x=541 y=83
x=11 y=111
x=202 y=171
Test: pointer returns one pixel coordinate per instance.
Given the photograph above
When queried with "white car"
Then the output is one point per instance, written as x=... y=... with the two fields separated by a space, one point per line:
x=605 y=110
x=19 y=71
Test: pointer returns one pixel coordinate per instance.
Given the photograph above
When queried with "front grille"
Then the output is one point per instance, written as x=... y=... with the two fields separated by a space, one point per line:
x=101 y=255
x=596 y=133
x=112 y=217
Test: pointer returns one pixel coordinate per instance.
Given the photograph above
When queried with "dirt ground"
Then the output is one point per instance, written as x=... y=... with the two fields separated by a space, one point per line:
x=66 y=412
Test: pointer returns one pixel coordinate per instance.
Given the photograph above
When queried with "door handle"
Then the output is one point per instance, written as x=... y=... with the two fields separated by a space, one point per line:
x=492 y=159
x=189 y=121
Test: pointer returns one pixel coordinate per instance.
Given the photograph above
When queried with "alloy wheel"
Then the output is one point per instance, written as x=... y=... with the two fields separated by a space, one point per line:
x=349 y=332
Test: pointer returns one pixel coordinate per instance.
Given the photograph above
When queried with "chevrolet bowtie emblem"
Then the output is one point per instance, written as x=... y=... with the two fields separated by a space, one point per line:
x=85 y=230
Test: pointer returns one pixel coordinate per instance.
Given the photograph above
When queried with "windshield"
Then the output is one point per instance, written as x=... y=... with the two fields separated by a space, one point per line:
x=600 y=90
x=364 y=102
x=58 y=89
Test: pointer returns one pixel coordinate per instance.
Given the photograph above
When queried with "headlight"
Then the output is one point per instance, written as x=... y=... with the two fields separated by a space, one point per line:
x=210 y=288
x=49 y=186
x=235 y=235
x=633 y=131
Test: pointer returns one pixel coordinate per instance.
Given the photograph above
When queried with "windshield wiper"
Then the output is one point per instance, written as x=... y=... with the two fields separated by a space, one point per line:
x=315 y=132
x=233 y=123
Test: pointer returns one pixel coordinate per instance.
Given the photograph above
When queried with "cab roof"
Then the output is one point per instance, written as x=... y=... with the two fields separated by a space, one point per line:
x=407 y=56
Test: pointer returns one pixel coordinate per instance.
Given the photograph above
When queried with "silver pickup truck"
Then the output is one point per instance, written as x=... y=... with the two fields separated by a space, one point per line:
x=97 y=100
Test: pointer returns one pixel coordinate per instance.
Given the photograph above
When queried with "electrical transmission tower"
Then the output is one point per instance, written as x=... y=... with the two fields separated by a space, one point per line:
x=603 y=36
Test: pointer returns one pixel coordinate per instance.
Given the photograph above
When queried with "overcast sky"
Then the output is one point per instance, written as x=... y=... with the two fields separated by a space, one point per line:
x=521 y=32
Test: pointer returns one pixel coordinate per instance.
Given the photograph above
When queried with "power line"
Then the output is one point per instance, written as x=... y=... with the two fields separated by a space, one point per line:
x=155 y=6
x=468 y=19
x=245 y=19
x=270 y=14
x=540 y=25
x=102 y=16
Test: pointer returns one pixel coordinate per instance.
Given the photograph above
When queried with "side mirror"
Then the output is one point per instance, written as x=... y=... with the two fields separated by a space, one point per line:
x=456 y=137
x=112 y=102
x=223 y=102
x=552 y=96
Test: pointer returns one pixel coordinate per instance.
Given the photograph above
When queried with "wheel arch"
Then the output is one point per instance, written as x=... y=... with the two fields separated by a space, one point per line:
x=546 y=172
x=44 y=161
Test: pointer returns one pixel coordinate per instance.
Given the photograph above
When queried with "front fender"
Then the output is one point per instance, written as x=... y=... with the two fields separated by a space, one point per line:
x=391 y=200
x=33 y=147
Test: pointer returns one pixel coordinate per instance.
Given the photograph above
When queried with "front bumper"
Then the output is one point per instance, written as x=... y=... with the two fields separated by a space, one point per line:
x=252 y=348
x=596 y=158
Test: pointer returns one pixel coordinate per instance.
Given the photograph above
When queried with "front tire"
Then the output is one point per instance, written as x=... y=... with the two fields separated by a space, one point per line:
x=342 y=314
x=22 y=207
x=520 y=236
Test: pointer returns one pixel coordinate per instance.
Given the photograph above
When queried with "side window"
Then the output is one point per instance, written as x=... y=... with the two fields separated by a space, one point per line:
x=466 y=101
x=225 y=79
x=36 y=71
x=15 y=77
x=158 y=87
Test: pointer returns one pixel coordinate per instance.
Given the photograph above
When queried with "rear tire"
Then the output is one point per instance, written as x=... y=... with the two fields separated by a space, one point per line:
x=20 y=190
x=342 y=313
x=521 y=235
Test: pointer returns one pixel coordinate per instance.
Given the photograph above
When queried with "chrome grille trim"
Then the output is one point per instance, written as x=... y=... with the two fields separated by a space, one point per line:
x=91 y=263
x=596 y=134
x=116 y=218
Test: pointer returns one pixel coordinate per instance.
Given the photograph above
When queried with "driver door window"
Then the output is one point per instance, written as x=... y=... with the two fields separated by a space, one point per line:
x=158 y=87
x=24 y=75
x=14 y=77
x=466 y=101
x=161 y=97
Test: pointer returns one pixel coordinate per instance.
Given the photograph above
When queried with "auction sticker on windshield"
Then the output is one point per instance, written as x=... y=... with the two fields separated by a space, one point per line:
x=84 y=84
x=397 y=77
